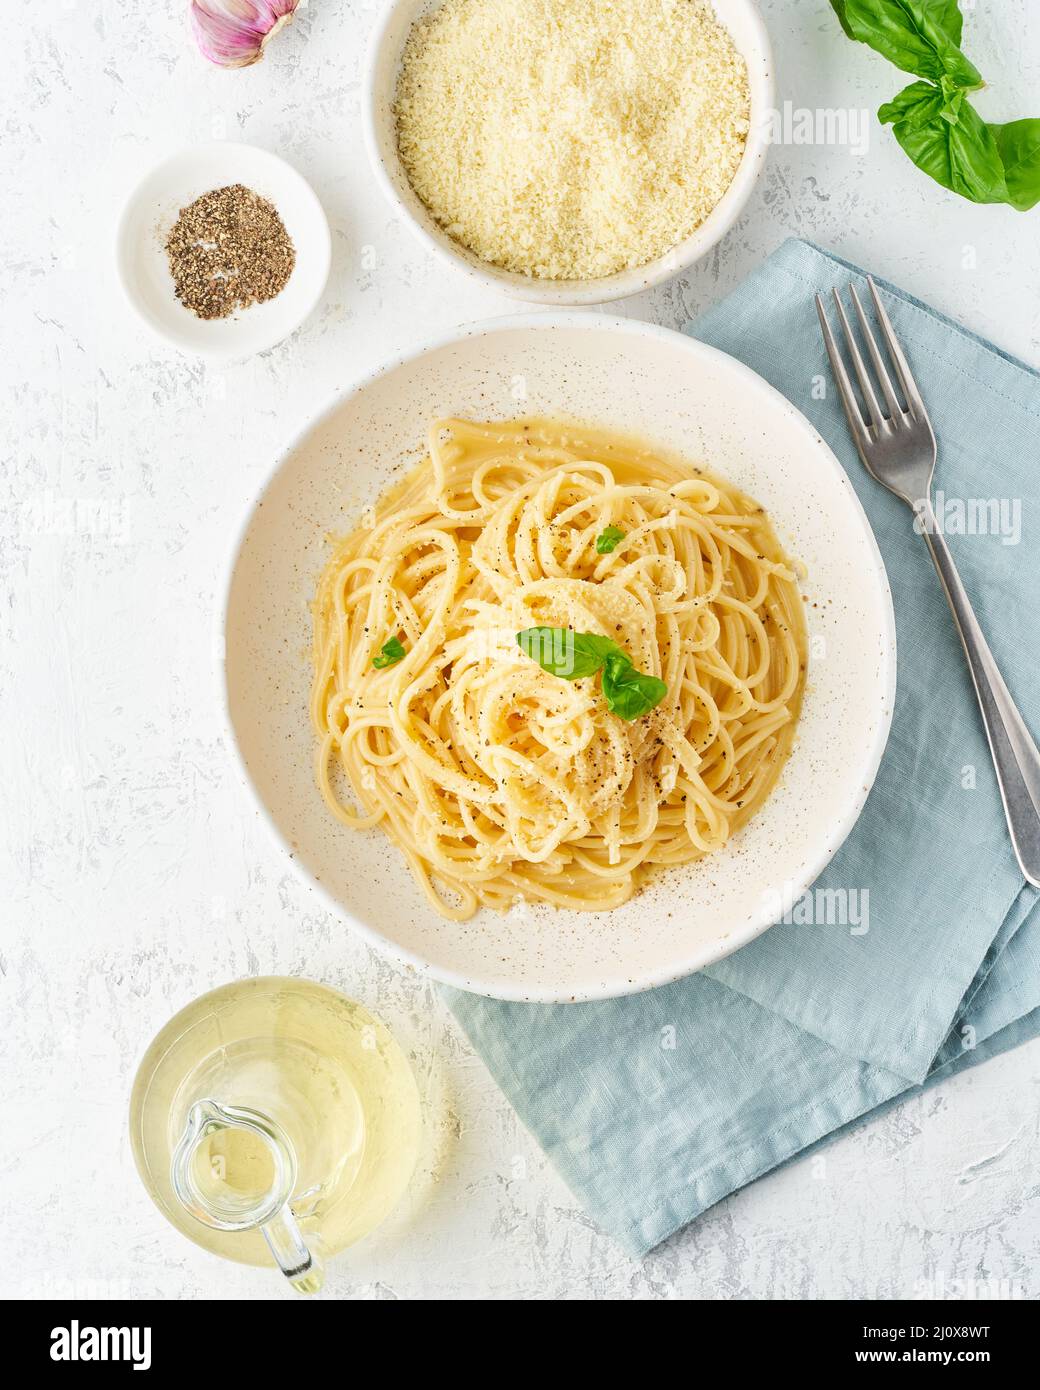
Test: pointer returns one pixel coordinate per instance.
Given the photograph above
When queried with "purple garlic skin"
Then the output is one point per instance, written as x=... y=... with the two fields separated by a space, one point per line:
x=234 y=33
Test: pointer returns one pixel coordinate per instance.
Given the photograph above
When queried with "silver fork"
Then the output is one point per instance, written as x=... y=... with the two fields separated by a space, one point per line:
x=897 y=447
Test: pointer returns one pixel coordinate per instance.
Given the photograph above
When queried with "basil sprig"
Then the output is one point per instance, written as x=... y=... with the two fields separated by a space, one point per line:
x=609 y=539
x=392 y=653
x=573 y=655
x=932 y=119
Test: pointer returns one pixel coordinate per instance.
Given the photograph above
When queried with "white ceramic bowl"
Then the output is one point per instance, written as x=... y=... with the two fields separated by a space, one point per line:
x=150 y=213
x=748 y=32
x=686 y=396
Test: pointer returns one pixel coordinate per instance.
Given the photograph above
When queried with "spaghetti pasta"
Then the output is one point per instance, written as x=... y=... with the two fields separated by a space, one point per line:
x=499 y=780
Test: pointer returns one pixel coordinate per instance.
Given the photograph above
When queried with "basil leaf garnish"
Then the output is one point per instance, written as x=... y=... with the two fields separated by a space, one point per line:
x=563 y=652
x=573 y=655
x=608 y=540
x=392 y=653
x=629 y=693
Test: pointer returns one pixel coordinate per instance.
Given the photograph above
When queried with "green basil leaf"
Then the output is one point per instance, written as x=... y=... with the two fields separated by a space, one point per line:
x=629 y=693
x=915 y=105
x=392 y=653
x=1018 y=143
x=948 y=14
x=919 y=36
x=963 y=157
x=563 y=652
x=560 y=651
x=608 y=540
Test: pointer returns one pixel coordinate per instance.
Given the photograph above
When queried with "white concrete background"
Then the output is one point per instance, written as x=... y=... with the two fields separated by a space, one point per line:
x=134 y=875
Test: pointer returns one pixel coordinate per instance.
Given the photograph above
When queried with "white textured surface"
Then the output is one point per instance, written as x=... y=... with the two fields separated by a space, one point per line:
x=134 y=877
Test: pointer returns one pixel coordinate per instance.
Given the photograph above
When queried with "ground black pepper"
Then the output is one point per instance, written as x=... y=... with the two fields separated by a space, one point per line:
x=227 y=250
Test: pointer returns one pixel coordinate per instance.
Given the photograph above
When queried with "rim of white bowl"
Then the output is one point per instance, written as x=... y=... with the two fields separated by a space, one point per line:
x=227 y=355
x=574 y=293
x=762 y=920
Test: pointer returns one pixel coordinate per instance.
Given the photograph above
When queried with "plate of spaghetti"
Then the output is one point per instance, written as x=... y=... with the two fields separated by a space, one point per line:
x=561 y=656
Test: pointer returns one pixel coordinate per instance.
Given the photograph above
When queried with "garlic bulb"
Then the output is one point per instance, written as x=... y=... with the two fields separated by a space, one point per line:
x=233 y=33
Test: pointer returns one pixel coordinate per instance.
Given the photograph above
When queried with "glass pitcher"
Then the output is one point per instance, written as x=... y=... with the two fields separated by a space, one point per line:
x=273 y=1121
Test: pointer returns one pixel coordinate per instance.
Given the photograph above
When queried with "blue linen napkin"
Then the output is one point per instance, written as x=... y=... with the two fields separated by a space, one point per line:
x=656 y=1106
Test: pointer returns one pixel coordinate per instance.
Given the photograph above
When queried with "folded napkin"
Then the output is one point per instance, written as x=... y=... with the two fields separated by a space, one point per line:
x=656 y=1106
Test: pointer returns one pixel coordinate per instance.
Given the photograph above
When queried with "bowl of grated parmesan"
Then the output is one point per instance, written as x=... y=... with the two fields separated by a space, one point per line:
x=569 y=151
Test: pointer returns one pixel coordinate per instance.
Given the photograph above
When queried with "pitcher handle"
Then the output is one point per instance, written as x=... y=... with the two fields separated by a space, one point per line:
x=300 y=1265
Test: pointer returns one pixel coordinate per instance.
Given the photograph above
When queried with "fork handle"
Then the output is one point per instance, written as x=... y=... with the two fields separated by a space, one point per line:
x=1015 y=755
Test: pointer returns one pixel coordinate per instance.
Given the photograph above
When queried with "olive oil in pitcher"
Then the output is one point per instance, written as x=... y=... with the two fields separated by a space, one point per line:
x=273 y=1121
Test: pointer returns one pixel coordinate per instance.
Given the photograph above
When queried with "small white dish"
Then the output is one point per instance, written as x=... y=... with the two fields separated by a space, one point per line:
x=152 y=209
x=748 y=32
x=667 y=388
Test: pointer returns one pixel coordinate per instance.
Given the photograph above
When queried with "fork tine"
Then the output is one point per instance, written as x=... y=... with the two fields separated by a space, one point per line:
x=866 y=386
x=902 y=366
x=841 y=376
x=891 y=400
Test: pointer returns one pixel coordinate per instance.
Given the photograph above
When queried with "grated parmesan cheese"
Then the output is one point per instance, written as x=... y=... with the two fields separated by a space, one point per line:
x=569 y=139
